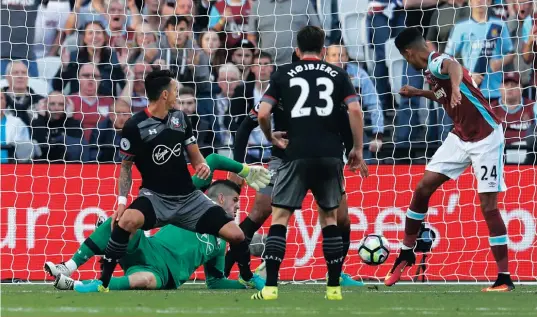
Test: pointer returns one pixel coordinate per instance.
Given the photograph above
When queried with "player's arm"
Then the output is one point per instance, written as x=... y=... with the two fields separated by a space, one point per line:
x=243 y=134
x=214 y=274
x=129 y=147
x=452 y=69
x=196 y=158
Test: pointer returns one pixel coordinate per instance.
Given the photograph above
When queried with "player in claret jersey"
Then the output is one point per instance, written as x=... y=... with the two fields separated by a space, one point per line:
x=476 y=139
x=310 y=94
x=156 y=140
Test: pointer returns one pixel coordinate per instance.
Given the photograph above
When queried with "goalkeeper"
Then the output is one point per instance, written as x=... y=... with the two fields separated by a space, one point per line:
x=168 y=259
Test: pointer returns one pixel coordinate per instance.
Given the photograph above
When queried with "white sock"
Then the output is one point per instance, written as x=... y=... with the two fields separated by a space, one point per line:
x=77 y=283
x=71 y=265
x=404 y=247
x=505 y=273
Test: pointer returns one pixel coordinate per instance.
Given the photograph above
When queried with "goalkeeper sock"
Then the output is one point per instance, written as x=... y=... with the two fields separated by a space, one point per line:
x=346 y=240
x=414 y=217
x=119 y=283
x=274 y=253
x=497 y=239
x=115 y=250
x=249 y=228
x=241 y=254
x=333 y=253
x=86 y=251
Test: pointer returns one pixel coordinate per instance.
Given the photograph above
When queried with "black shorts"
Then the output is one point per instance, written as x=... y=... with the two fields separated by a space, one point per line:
x=323 y=176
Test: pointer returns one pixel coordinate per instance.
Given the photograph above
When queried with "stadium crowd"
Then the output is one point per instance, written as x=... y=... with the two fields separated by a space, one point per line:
x=73 y=71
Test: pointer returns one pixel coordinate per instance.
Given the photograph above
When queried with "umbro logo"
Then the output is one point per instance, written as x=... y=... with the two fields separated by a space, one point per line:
x=162 y=153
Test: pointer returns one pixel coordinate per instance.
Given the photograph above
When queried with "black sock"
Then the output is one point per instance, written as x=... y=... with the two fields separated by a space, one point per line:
x=249 y=228
x=241 y=255
x=115 y=250
x=346 y=239
x=274 y=253
x=333 y=253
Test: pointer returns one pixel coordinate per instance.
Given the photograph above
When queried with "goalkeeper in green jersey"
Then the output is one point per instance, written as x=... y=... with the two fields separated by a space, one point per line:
x=168 y=259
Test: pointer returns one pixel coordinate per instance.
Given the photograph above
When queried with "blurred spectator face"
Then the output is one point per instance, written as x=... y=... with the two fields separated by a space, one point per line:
x=94 y=35
x=178 y=35
x=89 y=77
x=145 y=36
x=17 y=76
x=3 y=103
x=187 y=103
x=154 y=5
x=523 y=7
x=117 y=15
x=184 y=7
x=210 y=42
x=140 y=71
x=511 y=93
x=337 y=55
x=56 y=105
x=262 y=68
x=242 y=57
x=479 y=4
x=228 y=79
x=121 y=113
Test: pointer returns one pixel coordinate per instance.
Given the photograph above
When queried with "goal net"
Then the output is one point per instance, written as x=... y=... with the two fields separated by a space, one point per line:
x=60 y=139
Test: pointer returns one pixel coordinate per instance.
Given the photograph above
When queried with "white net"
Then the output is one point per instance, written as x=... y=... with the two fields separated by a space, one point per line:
x=73 y=74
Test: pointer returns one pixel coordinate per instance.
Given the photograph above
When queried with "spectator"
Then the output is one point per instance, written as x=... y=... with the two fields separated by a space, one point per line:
x=156 y=13
x=262 y=69
x=14 y=135
x=89 y=106
x=104 y=141
x=202 y=125
x=201 y=19
x=17 y=31
x=183 y=56
x=144 y=37
x=242 y=56
x=93 y=50
x=134 y=92
x=121 y=25
x=485 y=47
x=51 y=20
x=337 y=55
x=529 y=37
x=443 y=20
x=273 y=26
x=229 y=78
x=521 y=11
x=58 y=135
x=231 y=17
x=211 y=45
x=518 y=114
x=19 y=97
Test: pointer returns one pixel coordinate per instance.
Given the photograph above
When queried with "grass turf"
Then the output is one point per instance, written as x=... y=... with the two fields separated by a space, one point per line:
x=295 y=300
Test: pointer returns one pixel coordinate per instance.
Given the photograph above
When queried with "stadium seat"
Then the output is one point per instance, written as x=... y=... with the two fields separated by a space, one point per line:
x=395 y=64
x=353 y=15
x=38 y=85
x=48 y=66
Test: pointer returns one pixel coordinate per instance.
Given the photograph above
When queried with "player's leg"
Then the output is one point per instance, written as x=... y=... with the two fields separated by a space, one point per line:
x=139 y=215
x=136 y=277
x=93 y=245
x=449 y=161
x=344 y=225
x=326 y=182
x=289 y=192
x=487 y=162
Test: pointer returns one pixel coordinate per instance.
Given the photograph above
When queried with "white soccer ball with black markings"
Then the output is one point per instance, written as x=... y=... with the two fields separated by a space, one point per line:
x=373 y=249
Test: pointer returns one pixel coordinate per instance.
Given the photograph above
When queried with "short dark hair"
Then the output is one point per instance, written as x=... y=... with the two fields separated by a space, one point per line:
x=264 y=55
x=174 y=21
x=310 y=39
x=224 y=186
x=409 y=37
x=187 y=91
x=156 y=82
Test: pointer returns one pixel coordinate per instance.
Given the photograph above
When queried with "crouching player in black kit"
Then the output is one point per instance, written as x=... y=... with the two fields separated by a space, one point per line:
x=309 y=92
x=155 y=140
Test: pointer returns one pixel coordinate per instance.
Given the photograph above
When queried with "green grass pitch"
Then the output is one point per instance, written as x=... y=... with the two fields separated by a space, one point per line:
x=295 y=300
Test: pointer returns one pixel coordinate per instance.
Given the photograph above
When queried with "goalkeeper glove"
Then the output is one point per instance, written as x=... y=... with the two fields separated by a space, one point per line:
x=256 y=177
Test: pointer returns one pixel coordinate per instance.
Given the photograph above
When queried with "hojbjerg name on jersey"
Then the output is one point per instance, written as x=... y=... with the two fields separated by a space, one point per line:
x=305 y=67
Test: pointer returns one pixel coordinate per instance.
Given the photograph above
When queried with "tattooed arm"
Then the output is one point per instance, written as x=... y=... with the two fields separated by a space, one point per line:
x=125 y=178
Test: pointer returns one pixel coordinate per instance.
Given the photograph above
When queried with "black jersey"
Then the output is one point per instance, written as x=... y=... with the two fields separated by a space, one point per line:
x=311 y=94
x=157 y=148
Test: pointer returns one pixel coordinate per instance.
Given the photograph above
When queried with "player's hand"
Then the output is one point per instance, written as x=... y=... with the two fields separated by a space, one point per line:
x=408 y=91
x=496 y=65
x=356 y=162
x=279 y=140
x=203 y=171
x=478 y=78
x=118 y=213
x=455 y=97
x=258 y=177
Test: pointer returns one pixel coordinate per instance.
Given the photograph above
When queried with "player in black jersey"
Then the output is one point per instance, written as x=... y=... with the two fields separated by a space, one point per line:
x=309 y=93
x=155 y=140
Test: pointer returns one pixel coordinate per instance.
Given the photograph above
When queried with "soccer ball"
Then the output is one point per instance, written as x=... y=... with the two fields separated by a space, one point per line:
x=373 y=249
